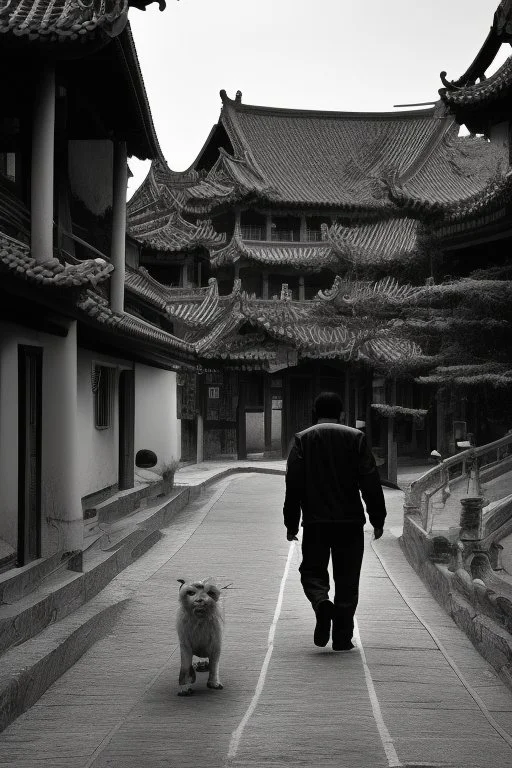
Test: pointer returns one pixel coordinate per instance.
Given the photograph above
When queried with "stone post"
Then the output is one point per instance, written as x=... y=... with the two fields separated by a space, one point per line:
x=392 y=447
x=118 y=245
x=471 y=518
x=42 y=172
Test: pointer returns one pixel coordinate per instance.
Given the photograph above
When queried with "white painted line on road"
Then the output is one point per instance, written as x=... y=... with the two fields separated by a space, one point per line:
x=237 y=734
x=385 y=737
x=474 y=695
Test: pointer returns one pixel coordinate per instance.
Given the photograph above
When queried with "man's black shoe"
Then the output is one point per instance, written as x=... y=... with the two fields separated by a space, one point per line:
x=324 y=614
x=341 y=637
x=342 y=645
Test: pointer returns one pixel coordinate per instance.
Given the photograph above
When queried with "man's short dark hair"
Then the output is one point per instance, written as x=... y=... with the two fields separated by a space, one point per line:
x=328 y=405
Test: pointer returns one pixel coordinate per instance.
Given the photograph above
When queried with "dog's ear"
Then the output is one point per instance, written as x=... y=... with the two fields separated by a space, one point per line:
x=181 y=581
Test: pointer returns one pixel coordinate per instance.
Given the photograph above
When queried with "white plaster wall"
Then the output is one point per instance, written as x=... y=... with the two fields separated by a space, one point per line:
x=59 y=497
x=98 y=449
x=91 y=173
x=9 y=336
x=156 y=423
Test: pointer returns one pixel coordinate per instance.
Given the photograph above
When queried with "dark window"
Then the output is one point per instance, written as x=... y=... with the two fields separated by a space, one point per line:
x=102 y=383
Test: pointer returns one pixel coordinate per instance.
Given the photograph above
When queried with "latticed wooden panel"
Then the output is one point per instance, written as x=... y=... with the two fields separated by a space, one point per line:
x=187 y=396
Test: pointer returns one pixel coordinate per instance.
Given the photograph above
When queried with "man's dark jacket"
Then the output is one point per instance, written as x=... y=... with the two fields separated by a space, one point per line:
x=327 y=467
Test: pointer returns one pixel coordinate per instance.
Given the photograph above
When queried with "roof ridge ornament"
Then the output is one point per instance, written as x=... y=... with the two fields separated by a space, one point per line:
x=142 y=5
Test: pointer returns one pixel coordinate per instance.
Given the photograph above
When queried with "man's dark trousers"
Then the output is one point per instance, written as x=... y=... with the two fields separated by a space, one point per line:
x=345 y=543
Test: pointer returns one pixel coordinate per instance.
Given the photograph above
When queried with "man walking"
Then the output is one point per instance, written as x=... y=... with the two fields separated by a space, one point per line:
x=329 y=464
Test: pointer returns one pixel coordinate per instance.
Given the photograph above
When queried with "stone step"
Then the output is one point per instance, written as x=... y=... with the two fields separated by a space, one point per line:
x=30 y=668
x=19 y=582
x=63 y=591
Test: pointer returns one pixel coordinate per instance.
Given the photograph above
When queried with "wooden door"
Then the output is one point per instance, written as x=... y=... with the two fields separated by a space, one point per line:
x=30 y=368
x=299 y=406
x=126 y=430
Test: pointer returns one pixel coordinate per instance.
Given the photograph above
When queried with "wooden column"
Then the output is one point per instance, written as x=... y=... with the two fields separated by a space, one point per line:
x=200 y=420
x=267 y=413
x=185 y=274
x=42 y=174
x=368 y=410
x=240 y=419
x=302 y=290
x=265 y=285
x=392 y=452
x=61 y=474
x=303 y=229
x=346 y=399
x=118 y=247
x=440 y=414
x=268 y=227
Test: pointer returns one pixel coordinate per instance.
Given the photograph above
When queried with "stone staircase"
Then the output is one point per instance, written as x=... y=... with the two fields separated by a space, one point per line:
x=53 y=610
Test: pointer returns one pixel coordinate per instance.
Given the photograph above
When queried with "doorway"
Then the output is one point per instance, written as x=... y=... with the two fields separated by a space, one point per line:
x=30 y=375
x=126 y=430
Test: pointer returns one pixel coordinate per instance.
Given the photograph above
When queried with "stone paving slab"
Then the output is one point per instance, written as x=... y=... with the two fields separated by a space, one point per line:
x=117 y=706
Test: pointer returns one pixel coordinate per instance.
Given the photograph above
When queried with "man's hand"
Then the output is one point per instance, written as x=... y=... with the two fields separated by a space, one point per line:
x=291 y=536
x=377 y=533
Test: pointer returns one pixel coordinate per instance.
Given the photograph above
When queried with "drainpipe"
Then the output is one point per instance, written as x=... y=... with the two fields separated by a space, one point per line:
x=118 y=243
x=42 y=172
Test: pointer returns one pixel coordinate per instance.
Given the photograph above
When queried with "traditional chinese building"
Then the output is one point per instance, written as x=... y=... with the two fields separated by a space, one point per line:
x=476 y=234
x=80 y=368
x=285 y=222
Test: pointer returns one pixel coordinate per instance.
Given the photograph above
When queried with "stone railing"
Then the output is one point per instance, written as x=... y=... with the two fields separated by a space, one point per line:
x=480 y=462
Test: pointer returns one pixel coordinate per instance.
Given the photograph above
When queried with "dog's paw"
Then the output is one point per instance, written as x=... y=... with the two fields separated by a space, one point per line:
x=185 y=692
x=202 y=666
x=215 y=686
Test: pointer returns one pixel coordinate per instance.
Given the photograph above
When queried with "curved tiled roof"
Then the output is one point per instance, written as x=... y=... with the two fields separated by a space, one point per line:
x=322 y=327
x=357 y=162
x=49 y=21
x=375 y=242
x=486 y=203
x=485 y=92
x=99 y=310
x=142 y=284
x=57 y=20
x=340 y=159
x=170 y=232
x=161 y=190
x=460 y=168
x=16 y=258
x=303 y=256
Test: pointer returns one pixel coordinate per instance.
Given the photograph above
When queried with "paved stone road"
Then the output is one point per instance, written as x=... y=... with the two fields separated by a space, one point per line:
x=395 y=700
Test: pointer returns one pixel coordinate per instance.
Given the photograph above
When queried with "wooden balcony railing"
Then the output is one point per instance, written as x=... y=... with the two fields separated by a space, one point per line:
x=252 y=232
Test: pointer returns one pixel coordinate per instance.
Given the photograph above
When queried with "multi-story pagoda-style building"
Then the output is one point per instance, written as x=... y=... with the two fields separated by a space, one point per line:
x=284 y=220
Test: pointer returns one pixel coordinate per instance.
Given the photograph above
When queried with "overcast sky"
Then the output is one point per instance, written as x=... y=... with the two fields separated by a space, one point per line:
x=343 y=55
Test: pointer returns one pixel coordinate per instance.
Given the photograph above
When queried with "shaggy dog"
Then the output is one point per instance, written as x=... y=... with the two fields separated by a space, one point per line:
x=199 y=626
